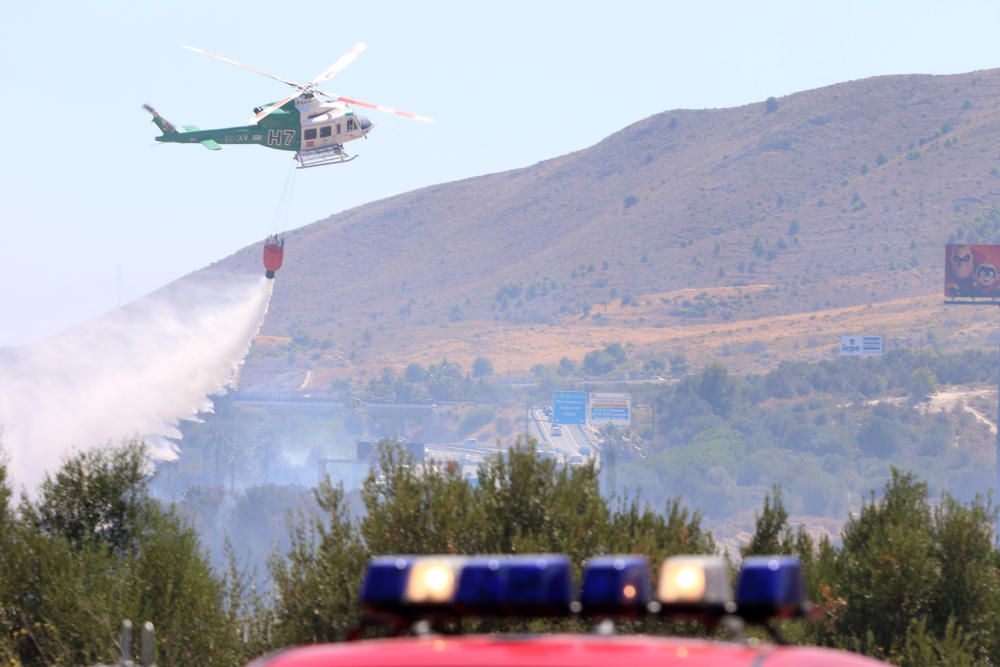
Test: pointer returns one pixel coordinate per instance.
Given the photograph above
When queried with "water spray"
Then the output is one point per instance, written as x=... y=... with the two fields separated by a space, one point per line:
x=132 y=373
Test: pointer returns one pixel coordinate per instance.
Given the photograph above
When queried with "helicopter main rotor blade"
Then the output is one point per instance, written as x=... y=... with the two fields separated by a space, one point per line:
x=341 y=63
x=377 y=107
x=264 y=113
x=246 y=67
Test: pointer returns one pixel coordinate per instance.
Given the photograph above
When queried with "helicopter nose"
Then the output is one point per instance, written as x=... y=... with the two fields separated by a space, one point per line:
x=364 y=123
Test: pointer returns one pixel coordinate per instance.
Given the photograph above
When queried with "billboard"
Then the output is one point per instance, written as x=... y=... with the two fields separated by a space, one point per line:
x=860 y=346
x=972 y=270
x=611 y=409
x=569 y=407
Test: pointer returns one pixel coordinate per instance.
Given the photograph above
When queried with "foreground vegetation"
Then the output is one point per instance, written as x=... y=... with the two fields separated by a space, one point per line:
x=914 y=579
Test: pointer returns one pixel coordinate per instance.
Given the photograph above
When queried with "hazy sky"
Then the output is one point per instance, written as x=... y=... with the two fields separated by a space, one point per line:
x=86 y=192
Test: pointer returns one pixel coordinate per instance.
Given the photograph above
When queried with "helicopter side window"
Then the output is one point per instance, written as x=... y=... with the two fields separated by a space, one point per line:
x=350 y=124
x=325 y=131
x=310 y=133
x=338 y=128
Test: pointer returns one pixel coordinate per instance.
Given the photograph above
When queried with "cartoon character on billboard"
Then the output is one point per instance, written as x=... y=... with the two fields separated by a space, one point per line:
x=958 y=279
x=986 y=279
x=986 y=274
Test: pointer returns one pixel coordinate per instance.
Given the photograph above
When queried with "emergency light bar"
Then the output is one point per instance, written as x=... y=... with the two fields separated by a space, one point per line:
x=414 y=587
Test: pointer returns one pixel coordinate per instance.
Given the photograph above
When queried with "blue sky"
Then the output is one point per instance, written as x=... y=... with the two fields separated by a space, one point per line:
x=86 y=193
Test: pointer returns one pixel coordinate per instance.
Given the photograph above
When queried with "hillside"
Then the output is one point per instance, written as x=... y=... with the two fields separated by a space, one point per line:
x=787 y=222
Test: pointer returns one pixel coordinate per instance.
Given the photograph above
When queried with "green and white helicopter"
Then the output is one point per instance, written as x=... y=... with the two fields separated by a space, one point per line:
x=316 y=130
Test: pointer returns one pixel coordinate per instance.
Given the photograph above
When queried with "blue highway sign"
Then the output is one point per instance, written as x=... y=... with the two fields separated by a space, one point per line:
x=569 y=407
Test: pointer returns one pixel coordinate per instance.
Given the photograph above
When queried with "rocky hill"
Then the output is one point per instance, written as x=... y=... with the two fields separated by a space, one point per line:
x=786 y=222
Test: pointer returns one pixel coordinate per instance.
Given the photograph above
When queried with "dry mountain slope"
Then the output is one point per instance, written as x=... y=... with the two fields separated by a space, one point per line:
x=830 y=198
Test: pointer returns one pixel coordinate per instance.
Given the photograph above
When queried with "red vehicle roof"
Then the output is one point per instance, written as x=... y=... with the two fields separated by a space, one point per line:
x=558 y=651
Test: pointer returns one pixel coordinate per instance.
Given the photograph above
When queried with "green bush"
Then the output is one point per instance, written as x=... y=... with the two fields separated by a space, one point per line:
x=94 y=549
x=482 y=367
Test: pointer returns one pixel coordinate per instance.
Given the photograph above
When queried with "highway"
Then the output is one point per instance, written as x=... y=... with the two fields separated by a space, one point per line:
x=564 y=444
x=567 y=442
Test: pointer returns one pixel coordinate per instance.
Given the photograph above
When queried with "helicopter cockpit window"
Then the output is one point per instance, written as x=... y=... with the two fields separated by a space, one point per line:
x=325 y=131
x=310 y=133
x=350 y=124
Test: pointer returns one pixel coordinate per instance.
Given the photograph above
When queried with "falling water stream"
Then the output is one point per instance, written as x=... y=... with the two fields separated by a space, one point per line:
x=133 y=372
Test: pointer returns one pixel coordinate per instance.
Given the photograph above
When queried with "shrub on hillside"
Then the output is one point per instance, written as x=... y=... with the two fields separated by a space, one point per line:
x=475 y=419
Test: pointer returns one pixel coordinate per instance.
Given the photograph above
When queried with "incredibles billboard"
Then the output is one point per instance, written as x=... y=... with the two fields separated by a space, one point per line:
x=972 y=270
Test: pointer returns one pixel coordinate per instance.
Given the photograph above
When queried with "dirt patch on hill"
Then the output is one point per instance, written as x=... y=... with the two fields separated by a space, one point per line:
x=271 y=341
x=751 y=345
x=977 y=401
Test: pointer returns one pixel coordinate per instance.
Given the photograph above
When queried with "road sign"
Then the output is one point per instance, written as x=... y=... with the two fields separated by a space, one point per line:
x=611 y=409
x=569 y=407
x=860 y=346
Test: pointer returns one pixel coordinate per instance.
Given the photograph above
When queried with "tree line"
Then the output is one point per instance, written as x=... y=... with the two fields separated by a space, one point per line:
x=827 y=431
x=913 y=579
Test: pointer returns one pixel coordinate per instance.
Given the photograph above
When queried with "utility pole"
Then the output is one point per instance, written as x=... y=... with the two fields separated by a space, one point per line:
x=652 y=439
x=527 y=422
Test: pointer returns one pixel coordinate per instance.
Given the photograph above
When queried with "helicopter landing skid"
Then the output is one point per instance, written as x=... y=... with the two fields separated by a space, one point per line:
x=321 y=156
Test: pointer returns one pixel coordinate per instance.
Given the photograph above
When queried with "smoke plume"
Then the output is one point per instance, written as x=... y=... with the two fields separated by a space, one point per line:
x=133 y=372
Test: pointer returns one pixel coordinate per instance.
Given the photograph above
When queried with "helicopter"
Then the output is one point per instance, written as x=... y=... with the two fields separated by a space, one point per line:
x=315 y=129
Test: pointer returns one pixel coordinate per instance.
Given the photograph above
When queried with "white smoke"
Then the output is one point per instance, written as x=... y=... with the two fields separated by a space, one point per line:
x=134 y=372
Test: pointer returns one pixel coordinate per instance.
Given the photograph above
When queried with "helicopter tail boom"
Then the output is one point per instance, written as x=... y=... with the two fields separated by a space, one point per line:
x=168 y=128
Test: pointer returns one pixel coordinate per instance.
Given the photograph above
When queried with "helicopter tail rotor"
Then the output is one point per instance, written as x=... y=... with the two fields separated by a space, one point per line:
x=166 y=127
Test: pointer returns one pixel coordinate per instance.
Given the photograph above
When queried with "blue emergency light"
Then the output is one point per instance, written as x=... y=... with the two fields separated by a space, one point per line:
x=517 y=584
x=479 y=585
x=770 y=587
x=615 y=585
x=385 y=580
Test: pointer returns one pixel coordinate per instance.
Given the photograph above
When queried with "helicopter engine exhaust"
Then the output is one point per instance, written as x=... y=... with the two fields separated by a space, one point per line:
x=274 y=252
